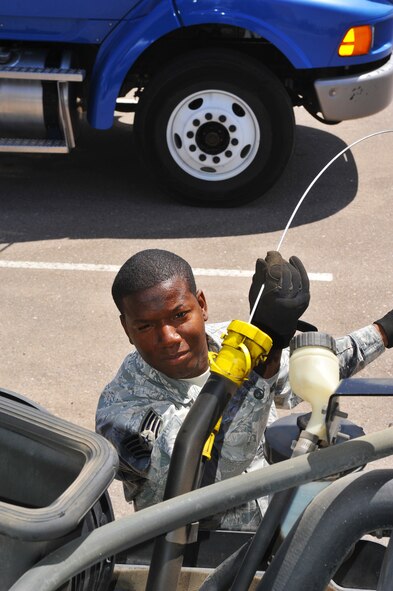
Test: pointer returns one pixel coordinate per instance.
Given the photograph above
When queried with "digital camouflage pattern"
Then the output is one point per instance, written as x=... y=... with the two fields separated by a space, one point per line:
x=141 y=411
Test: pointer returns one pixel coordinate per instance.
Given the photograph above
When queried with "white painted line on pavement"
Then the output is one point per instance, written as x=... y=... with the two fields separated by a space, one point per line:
x=57 y=266
x=5 y=264
x=241 y=273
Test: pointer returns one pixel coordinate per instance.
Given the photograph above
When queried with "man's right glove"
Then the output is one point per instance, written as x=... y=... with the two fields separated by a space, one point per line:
x=386 y=323
x=284 y=299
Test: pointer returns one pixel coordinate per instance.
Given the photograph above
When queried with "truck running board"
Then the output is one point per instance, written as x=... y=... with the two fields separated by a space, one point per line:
x=33 y=146
x=38 y=73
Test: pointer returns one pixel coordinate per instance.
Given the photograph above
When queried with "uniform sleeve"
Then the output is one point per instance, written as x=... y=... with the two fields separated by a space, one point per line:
x=283 y=395
x=124 y=425
x=160 y=458
x=358 y=349
x=143 y=437
x=143 y=432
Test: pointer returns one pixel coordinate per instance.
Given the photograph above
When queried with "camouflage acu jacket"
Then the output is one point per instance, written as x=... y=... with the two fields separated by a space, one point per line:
x=141 y=410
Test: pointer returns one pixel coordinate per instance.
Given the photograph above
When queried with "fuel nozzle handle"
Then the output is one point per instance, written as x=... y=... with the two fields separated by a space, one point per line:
x=314 y=375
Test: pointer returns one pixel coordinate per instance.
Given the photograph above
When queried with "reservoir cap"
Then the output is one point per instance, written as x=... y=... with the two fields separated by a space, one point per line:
x=312 y=339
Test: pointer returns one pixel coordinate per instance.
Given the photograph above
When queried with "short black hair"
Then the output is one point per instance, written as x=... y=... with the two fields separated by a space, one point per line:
x=146 y=269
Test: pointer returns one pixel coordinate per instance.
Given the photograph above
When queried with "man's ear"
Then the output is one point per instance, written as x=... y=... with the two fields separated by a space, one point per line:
x=124 y=325
x=200 y=296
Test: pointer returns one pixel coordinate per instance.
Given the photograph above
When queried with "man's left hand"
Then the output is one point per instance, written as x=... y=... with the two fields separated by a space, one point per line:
x=284 y=299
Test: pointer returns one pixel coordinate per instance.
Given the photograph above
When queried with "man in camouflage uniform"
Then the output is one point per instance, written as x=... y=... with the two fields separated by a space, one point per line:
x=164 y=316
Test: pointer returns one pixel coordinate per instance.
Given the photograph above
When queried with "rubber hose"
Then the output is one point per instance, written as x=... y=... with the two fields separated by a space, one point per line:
x=221 y=578
x=264 y=535
x=184 y=470
x=196 y=428
x=338 y=517
x=386 y=575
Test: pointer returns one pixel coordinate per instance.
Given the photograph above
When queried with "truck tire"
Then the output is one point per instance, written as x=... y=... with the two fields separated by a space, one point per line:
x=215 y=127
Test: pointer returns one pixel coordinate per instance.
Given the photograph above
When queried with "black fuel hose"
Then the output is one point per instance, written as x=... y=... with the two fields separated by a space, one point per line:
x=337 y=518
x=386 y=574
x=184 y=473
x=192 y=435
x=238 y=570
x=265 y=534
x=222 y=577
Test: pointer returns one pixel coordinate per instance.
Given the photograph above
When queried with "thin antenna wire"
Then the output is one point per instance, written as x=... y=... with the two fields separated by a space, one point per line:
x=304 y=196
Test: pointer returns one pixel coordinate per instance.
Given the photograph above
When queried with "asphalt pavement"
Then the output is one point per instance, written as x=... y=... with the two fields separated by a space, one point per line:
x=67 y=223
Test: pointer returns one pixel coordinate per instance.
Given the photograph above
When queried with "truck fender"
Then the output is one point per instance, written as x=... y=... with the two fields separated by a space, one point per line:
x=117 y=55
x=272 y=28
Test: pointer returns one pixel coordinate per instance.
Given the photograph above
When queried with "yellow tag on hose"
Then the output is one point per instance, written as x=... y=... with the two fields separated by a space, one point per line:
x=207 y=449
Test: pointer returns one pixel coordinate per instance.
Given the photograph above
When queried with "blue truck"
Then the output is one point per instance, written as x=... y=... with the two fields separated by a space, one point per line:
x=214 y=82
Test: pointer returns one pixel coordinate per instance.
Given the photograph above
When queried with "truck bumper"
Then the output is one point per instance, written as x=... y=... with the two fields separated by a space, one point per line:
x=356 y=96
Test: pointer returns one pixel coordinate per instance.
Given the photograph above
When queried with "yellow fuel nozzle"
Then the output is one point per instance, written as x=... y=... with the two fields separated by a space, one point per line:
x=243 y=347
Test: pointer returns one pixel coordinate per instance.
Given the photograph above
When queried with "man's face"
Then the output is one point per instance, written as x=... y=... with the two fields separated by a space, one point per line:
x=166 y=323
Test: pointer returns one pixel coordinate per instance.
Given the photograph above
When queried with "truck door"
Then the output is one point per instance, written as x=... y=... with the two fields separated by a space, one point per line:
x=68 y=21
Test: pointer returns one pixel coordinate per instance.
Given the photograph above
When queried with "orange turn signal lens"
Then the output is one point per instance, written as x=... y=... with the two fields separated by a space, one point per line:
x=356 y=41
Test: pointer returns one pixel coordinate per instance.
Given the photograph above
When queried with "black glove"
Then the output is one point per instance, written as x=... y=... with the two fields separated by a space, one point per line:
x=285 y=296
x=386 y=323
